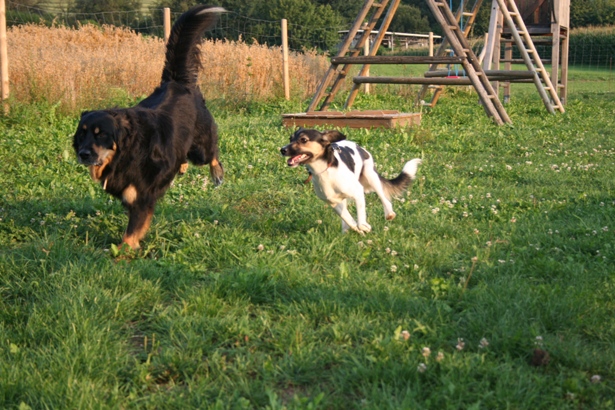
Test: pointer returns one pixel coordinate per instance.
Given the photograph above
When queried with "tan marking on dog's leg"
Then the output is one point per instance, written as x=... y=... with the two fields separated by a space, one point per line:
x=216 y=171
x=139 y=231
x=183 y=168
x=129 y=195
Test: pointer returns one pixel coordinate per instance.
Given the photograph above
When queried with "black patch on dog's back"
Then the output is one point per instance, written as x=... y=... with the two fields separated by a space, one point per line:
x=346 y=156
x=364 y=154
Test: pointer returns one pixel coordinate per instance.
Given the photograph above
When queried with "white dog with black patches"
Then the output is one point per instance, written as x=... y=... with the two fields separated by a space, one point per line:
x=342 y=170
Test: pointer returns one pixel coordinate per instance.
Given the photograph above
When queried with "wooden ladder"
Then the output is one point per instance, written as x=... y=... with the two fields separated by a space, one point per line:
x=444 y=49
x=530 y=56
x=473 y=69
x=335 y=75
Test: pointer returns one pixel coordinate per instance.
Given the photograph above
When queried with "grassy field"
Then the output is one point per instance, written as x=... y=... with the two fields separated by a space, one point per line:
x=248 y=295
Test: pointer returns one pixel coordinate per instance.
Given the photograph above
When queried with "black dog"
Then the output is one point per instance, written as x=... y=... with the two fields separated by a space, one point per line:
x=136 y=152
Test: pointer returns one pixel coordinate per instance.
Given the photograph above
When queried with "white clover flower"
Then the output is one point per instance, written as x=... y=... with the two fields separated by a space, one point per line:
x=476 y=231
x=605 y=228
x=440 y=357
x=421 y=368
x=465 y=214
x=319 y=221
x=282 y=247
x=393 y=268
x=405 y=334
x=460 y=344
x=488 y=195
x=369 y=241
x=197 y=235
x=435 y=210
x=416 y=267
x=483 y=343
x=260 y=247
x=426 y=352
x=393 y=253
x=386 y=228
x=596 y=378
x=388 y=250
x=488 y=243
x=508 y=167
x=513 y=219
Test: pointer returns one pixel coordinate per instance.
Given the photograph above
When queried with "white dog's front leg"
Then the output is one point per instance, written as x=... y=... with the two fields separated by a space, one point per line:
x=347 y=220
x=359 y=200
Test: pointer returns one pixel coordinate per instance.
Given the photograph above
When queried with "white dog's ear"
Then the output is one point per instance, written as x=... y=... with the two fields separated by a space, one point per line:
x=333 y=136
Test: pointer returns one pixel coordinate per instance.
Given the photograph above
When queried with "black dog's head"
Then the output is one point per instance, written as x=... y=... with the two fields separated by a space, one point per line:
x=309 y=145
x=96 y=138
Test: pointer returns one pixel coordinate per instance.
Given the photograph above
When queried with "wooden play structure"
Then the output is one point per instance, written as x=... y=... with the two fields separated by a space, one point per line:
x=507 y=25
x=548 y=24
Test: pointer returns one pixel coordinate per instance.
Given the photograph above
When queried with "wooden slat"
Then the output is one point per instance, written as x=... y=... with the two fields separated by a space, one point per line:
x=352 y=119
x=413 y=80
x=397 y=60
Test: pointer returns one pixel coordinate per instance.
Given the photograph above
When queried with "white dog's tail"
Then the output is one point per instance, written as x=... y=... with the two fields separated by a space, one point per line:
x=396 y=186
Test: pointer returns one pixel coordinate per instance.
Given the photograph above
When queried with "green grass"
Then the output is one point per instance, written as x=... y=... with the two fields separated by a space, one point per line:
x=201 y=318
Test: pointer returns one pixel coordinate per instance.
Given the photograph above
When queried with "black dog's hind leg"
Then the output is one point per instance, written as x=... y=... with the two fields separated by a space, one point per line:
x=139 y=220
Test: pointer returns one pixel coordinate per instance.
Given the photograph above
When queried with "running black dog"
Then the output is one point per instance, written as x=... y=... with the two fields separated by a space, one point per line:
x=136 y=152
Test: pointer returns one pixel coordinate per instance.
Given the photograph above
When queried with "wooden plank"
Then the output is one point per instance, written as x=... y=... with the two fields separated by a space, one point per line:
x=413 y=80
x=397 y=60
x=352 y=119
x=489 y=73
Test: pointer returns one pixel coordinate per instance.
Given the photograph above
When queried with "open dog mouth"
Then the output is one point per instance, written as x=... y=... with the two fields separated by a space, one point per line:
x=296 y=160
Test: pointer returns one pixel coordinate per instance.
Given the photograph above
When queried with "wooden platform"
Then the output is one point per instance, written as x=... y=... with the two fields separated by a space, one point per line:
x=352 y=119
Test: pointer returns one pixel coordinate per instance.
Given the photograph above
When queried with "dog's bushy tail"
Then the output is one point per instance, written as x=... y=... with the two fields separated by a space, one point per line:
x=183 y=57
x=396 y=186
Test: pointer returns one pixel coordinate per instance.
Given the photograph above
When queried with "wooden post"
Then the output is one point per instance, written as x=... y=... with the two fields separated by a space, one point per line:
x=431 y=44
x=563 y=91
x=285 y=59
x=166 y=23
x=4 y=62
x=366 y=53
x=493 y=28
x=508 y=55
x=481 y=56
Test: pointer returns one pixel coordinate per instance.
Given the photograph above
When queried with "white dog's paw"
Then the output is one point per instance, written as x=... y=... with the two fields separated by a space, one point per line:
x=365 y=227
x=357 y=229
x=390 y=216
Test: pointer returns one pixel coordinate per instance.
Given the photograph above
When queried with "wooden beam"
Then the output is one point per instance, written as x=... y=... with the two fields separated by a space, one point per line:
x=489 y=73
x=397 y=60
x=352 y=119
x=412 y=80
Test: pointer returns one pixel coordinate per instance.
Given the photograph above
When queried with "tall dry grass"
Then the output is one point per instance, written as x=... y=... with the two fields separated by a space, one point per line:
x=91 y=67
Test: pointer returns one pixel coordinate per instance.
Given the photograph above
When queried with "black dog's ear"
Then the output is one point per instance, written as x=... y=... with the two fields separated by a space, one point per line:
x=333 y=136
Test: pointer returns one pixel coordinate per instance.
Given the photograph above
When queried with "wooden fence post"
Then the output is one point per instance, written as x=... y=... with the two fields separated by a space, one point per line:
x=4 y=62
x=366 y=53
x=431 y=44
x=166 y=23
x=285 y=59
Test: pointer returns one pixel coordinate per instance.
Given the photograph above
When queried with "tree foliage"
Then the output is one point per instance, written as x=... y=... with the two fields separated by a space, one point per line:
x=408 y=19
x=98 y=6
x=592 y=13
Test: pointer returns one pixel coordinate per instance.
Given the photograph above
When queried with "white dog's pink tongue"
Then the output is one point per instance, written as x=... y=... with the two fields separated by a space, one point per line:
x=296 y=160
